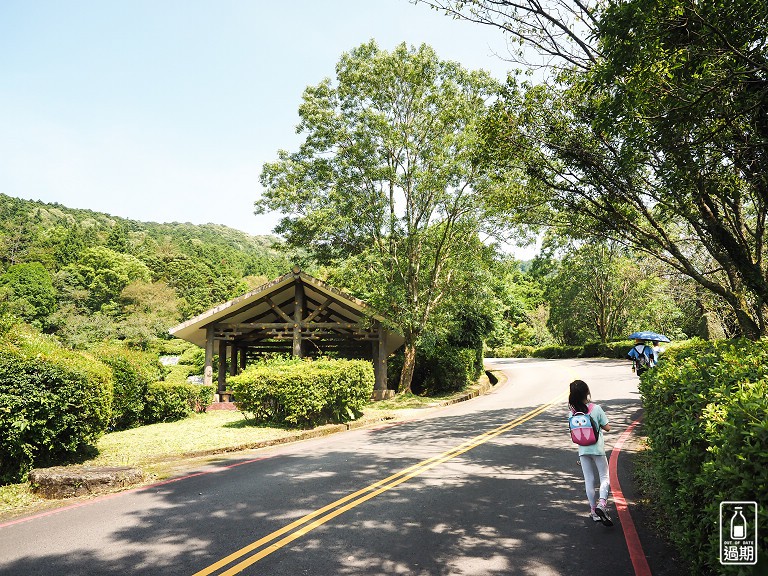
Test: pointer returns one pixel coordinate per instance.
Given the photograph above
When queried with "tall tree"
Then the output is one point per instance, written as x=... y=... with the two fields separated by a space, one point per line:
x=385 y=175
x=601 y=292
x=659 y=144
x=557 y=34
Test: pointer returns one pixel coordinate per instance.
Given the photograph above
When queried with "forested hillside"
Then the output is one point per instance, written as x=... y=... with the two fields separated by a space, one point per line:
x=86 y=276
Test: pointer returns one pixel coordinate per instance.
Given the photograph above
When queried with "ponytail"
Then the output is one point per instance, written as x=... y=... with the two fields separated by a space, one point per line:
x=579 y=396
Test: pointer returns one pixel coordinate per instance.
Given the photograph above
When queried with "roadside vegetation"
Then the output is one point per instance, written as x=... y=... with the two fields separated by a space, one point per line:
x=639 y=167
x=706 y=417
x=164 y=449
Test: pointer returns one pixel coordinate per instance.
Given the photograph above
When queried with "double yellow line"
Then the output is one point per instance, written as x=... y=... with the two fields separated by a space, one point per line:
x=302 y=526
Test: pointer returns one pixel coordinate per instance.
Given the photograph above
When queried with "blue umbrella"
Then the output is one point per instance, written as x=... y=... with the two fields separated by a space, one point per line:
x=648 y=335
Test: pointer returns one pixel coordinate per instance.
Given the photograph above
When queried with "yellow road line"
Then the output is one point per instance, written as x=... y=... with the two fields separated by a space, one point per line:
x=350 y=501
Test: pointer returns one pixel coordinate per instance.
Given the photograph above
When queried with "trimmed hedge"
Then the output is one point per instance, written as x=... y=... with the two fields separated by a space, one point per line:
x=439 y=369
x=53 y=402
x=304 y=392
x=169 y=401
x=706 y=416
x=588 y=350
x=133 y=371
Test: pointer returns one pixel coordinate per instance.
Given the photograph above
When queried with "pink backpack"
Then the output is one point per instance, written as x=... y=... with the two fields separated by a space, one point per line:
x=584 y=430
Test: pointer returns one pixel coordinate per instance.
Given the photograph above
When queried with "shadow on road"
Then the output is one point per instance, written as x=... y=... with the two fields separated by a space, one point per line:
x=512 y=505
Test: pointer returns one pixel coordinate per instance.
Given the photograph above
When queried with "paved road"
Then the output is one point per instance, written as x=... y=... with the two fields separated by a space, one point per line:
x=488 y=486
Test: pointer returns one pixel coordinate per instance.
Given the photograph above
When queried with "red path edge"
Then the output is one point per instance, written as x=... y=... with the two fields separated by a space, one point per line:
x=123 y=492
x=636 y=554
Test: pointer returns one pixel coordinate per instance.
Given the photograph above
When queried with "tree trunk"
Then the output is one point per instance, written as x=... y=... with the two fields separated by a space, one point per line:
x=409 y=363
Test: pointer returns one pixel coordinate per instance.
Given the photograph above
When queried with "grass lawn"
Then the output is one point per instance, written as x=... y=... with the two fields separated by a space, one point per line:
x=162 y=450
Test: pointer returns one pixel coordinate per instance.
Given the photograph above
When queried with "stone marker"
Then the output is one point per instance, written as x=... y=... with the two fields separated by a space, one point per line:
x=69 y=481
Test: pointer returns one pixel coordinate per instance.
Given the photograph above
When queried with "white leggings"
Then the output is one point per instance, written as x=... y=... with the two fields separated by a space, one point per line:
x=601 y=462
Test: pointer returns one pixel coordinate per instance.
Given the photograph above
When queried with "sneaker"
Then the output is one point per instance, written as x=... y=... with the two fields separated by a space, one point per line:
x=595 y=517
x=602 y=513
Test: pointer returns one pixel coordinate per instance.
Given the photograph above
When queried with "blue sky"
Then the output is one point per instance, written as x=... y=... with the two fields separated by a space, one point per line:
x=166 y=110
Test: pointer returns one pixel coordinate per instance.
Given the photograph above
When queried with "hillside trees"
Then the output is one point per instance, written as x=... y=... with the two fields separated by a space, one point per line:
x=384 y=175
x=658 y=144
x=87 y=277
x=601 y=292
x=28 y=290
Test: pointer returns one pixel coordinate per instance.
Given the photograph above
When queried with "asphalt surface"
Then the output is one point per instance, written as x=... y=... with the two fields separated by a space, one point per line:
x=487 y=486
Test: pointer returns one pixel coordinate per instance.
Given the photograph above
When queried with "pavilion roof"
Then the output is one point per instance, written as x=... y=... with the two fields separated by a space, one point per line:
x=267 y=314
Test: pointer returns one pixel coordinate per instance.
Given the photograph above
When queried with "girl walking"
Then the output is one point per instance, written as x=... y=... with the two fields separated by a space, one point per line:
x=592 y=458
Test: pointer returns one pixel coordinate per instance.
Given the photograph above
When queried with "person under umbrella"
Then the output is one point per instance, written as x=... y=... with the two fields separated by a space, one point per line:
x=642 y=356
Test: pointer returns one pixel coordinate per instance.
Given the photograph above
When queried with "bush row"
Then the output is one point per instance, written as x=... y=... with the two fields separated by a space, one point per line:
x=439 y=369
x=169 y=401
x=588 y=350
x=304 y=392
x=706 y=416
x=55 y=403
x=140 y=397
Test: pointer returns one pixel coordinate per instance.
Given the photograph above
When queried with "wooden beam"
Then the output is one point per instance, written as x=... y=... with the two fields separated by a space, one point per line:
x=298 y=317
x=320 y=310
x=279 y=311
x=233 y=351
x=251 y=326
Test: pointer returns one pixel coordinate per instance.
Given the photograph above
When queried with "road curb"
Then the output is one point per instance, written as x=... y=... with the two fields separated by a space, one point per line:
x=634 y=546
x=483 y=386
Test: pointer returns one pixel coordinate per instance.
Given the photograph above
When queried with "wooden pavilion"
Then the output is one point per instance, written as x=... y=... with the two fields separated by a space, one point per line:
x=295 y=314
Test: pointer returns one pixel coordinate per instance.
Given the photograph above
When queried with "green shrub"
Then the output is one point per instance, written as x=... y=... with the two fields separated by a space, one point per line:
x=518 y=351
x=53 y=402
x=133 y=371
x=194 y=357
x=167 y=402
x=589 y=350
x=178 y=374
x=440 y=368
x=171 y=347
x=706 y=415
x=558 y=352
x=446 y=369
x=609 y=350
x=304 y=393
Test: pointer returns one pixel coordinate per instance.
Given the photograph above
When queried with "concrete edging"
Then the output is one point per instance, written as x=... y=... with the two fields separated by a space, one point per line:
x=71 y=481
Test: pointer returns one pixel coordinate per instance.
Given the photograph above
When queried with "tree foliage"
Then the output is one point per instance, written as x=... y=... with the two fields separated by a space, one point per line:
x=658 y=144
x=384 y=178
x=29 y=291
x=558 y=34
x=86 y=276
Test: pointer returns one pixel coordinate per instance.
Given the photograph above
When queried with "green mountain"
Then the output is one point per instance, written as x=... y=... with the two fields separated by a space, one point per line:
x=86 y=276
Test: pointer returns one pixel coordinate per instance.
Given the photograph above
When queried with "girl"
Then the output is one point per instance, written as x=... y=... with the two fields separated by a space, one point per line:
x=591 y=457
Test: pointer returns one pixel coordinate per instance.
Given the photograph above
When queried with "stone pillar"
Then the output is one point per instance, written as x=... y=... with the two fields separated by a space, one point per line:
x=222 y=369
x=208 y=371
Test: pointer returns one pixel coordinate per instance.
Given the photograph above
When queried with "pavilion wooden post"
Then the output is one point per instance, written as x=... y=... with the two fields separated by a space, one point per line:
x=222 y=387
x=243 y=360
x=298 y=317
x=380 y=391
x=208 y=372
x=233 y=351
